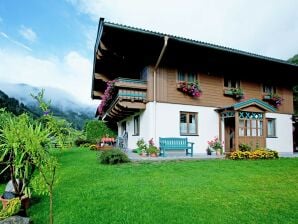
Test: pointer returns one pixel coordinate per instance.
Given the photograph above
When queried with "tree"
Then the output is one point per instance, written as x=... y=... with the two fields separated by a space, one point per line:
x=96 y=129
x=294 y=60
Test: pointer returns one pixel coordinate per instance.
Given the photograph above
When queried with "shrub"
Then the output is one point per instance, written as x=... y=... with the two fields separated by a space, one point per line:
x=95 y=130
x=244 y=147
x=256 y=154
x=81 y=141
x=93 y=147
x=113 y=156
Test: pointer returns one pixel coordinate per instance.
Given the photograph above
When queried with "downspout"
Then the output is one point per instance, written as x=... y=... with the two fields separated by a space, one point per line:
x=154 y=80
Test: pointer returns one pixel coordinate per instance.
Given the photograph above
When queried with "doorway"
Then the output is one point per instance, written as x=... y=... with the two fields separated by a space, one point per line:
x=229 y=124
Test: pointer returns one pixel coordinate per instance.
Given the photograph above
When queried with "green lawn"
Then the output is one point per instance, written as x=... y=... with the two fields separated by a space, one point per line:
x=216 y=191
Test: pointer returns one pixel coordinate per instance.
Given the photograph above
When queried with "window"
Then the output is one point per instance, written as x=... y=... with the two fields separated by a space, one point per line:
x=188 y=123
x=187 y=76
x=269 y=89
x=136 y=125
x=250 y=127
x=231 y=83
x=250 y=123
x=271 y=127
x=123 y=126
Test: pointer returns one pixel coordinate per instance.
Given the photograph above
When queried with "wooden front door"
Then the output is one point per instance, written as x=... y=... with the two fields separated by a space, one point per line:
x=229 y=134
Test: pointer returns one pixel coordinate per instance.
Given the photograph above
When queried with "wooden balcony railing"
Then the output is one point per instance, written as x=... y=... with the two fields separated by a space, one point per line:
x=130 y=96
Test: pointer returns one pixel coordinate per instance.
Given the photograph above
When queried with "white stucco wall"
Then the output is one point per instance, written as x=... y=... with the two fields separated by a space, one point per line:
x=168 y=124
x=284 y=133
x=146 y=126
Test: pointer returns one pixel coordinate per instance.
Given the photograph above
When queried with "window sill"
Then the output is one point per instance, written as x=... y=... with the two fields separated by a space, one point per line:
x=135 y=135
x=271 y=137
x=189 y=135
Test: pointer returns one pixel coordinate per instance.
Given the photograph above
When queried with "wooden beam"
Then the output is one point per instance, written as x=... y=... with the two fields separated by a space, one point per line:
x=100 y=76
x=132 y=105
x=97 y=93
x=102 y=46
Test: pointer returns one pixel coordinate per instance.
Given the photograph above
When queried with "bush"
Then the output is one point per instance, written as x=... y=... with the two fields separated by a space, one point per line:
x=256 y=154
x=81 y=141
x=93 y=147
x=244 y=147
x=95 y=130
x=113 y=156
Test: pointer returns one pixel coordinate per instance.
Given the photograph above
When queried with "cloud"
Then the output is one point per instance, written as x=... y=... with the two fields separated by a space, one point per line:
x=28 y=33
x=14 y=41
x=254 y=26
x=72 y=72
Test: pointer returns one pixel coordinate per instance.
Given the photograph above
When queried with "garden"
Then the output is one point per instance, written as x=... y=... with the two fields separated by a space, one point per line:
x=79 y=185
x=202 y=191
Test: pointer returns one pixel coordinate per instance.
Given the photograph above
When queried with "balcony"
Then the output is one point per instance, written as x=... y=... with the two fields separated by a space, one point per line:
x=123 y=97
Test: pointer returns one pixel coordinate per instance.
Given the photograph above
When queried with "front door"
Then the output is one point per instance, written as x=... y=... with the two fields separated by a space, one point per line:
x=229 y=134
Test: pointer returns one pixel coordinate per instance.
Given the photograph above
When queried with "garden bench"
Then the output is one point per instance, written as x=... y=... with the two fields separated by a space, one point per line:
x=175 y=144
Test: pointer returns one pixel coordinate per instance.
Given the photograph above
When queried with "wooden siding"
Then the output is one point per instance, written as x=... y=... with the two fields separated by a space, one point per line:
x=212 y=87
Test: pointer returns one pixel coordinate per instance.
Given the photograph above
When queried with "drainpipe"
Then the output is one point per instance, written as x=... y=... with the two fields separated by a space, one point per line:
x=154 y=81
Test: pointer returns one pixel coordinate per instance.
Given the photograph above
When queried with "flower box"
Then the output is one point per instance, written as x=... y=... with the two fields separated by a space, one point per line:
x=237 y=93
x=190 y=88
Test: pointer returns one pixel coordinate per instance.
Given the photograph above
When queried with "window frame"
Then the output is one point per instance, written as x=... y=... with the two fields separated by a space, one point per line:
x=187 y=133
x=186 y=76
x=272 y=88
x=274 y=127
x=250 y=128
x=228 y=83
x=136 y=125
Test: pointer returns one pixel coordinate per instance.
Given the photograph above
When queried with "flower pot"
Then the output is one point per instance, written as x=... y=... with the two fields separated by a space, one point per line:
x=153 y=155
x=25 y=202
x=218 y=152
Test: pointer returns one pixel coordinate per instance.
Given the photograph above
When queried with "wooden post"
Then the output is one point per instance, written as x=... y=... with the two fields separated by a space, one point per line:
x=236 y=130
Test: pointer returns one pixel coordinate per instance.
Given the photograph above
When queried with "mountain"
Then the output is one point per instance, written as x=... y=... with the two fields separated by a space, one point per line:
x=63 y=104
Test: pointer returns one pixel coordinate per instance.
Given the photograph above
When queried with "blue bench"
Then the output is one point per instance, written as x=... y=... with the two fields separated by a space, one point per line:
x=175 y=144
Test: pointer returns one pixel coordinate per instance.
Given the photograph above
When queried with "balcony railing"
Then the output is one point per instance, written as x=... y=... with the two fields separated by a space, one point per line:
x=127 y=97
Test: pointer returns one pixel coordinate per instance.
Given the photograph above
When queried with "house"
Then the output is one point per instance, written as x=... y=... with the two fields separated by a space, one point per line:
x=157 y=85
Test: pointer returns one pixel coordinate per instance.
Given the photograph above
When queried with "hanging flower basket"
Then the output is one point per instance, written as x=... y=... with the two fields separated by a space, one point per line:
x=190 y=88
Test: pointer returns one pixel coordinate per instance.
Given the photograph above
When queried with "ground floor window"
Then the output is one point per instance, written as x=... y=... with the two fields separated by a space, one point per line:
x=136 y=125
x=271 y=127
x=250 y=123
x=188 y=123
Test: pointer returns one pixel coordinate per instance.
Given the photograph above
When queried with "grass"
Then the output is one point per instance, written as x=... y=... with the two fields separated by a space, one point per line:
x=213 y=191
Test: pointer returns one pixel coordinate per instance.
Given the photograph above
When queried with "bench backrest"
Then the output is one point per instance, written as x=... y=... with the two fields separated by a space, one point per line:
x=173 y=142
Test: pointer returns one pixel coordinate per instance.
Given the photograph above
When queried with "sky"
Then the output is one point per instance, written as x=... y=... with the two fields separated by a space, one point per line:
x=50 y=42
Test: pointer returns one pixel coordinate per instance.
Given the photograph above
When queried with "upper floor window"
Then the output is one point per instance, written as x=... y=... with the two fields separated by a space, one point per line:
x=269 y=89
x=231 y=83
x=187 y=76
x=188 y=123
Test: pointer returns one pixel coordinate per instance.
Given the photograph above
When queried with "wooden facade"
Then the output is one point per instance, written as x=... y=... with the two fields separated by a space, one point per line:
x=212 y=86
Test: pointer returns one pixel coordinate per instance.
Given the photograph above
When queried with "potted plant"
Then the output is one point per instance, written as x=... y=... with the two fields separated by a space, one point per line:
x=142 y=147
x=152 y=150
x=209 y=151
x=216 y=145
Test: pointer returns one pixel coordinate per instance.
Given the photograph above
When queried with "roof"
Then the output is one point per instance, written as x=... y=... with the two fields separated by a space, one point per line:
x=199 y=43
x=124 y=51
